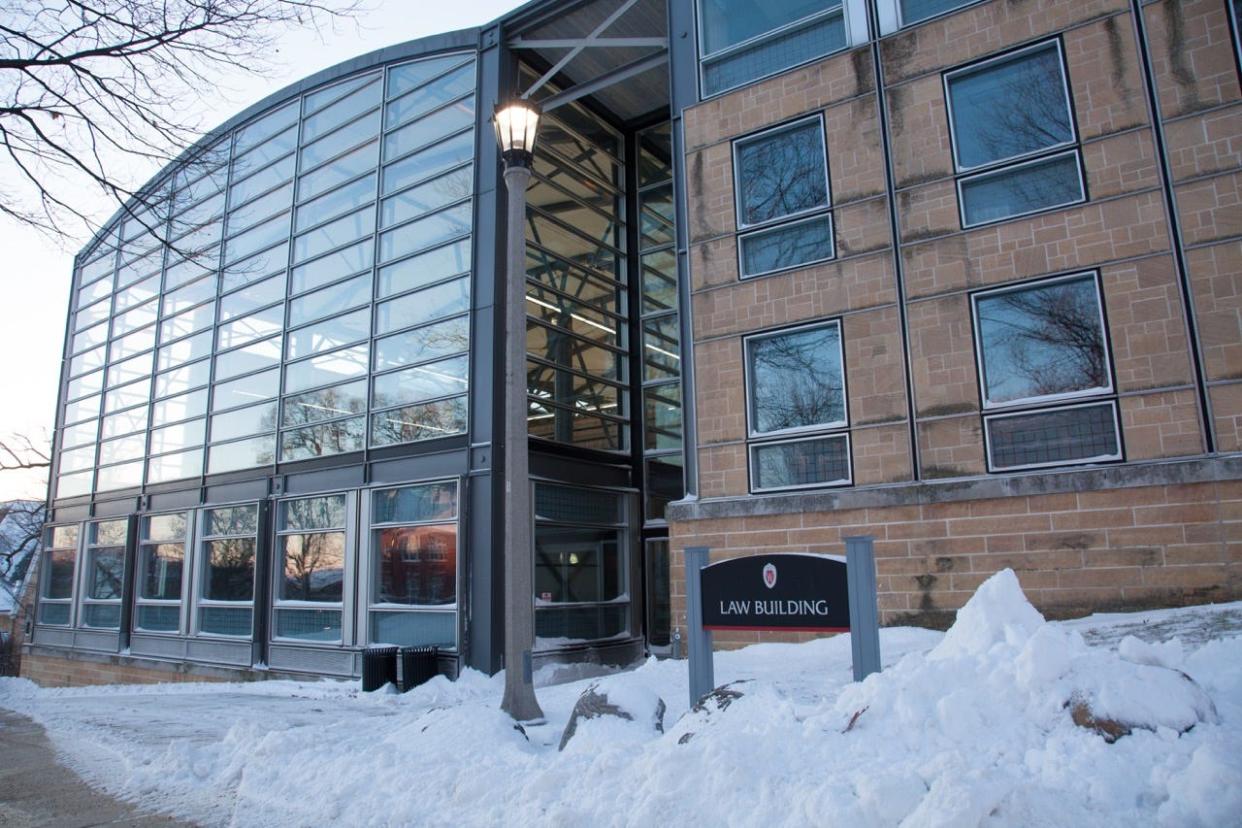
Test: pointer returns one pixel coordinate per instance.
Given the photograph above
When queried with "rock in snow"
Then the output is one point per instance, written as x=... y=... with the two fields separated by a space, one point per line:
x=623 y=702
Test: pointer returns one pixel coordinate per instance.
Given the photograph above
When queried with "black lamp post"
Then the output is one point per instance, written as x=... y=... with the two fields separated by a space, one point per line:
x=516 y=124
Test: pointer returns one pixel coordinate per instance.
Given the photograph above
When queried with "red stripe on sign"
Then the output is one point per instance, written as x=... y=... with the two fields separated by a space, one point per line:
x=779 y=629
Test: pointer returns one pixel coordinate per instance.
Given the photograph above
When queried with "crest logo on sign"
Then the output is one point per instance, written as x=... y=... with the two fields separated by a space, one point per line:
x=769 y=576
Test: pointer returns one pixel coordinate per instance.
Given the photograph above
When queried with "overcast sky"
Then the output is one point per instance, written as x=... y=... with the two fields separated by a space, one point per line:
x=36 y=271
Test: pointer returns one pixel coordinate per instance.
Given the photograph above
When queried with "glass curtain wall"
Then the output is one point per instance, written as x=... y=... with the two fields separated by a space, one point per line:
x=313 y=299
x=577 y=368
x=661 y=340
x=661 y=369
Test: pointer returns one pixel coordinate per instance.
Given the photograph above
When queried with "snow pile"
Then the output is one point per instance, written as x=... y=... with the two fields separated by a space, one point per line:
x=973 y=727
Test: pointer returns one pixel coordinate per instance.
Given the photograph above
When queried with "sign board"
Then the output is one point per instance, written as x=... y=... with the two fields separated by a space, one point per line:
x=791 y=592
x=788 y=591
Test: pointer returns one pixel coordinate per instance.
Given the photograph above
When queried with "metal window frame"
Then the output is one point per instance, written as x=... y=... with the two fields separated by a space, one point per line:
x=742 y=275
x=186 y=571
x=1113 y=458
x=368 y=569
x=1036 y=284
x=202 y=560
x=631 y=547
x=740 y=143
x=753 y=465
x=82 y=593
x=1007 y=57
x=748 y=379
x=756 y=40
x=967 y=179
x=347 y=605
x=44 y=582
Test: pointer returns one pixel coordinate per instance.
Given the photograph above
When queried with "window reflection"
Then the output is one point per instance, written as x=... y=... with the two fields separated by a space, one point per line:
x=796 y=379
x=417 y=565
x=314 y=566
x=1042 y=341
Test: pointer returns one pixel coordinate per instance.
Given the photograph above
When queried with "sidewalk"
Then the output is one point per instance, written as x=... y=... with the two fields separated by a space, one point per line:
x=36 y=790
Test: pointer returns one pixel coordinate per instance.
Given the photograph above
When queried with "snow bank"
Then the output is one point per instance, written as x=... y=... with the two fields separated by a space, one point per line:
x=967 y=728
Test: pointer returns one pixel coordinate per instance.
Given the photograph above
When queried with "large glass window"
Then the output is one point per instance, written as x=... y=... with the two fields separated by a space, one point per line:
x=295 y=250
x=227 y=555
x=1039 y=345
x=1014 y=139
x=60 y=557
x=582 y=561
x=161 y=572
x=795 y=383
x=782 y=174
x=414 y=565
x=741 y=41
x=577 y=380
x=661 y=340
x=312 y=564
x=103 y=575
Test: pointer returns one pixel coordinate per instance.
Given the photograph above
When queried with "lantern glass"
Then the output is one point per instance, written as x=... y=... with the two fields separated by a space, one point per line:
x=516 y=124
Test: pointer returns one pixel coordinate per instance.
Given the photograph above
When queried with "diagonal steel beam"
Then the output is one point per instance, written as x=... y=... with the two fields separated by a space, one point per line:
x=617 y=75
x=576 y=50
x=597 y=43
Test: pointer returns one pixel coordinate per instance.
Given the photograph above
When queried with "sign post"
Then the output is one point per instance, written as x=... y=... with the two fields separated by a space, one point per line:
x=702 y=678
x=864 y=611
x=794 y=592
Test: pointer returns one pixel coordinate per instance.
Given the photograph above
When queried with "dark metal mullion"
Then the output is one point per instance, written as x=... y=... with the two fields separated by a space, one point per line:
x=467 y=58
x=261 y=603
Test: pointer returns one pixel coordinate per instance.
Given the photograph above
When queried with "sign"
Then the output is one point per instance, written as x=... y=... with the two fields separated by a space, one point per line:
x=791 y=592
x=787 y=591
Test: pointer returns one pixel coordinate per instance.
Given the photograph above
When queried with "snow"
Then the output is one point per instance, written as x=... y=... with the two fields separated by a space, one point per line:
x=970 y=727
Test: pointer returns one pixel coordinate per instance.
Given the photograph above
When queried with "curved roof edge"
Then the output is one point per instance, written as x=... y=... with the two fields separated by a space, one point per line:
x=442 y=42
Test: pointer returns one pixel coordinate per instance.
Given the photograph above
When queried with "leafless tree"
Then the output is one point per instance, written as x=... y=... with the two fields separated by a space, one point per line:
x=93 y=91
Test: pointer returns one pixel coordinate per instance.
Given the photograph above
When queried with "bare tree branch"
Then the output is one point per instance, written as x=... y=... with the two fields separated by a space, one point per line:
x=95 y=92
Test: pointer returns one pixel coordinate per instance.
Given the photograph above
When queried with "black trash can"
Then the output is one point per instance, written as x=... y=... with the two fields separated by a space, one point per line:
x=379 y=667
x=418 y=664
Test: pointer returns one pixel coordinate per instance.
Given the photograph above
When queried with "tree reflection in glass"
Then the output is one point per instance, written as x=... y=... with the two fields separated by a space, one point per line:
x=796 y=379
x=1042 y=341
x=782 y=173
x=230 y=570
x=314 y=568
x=106 y=569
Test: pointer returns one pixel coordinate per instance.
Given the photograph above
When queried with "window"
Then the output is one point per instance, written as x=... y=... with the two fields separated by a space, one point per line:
x=782 y=174
x=741 y=41
x=795 y=381
x=226 y=594
x=413 y=589
x=1014 y=138
x=161 y=562
x=60 y=558
x=913 y=11
x=103 y=575
x=582 y=560
x=311 y=561
x=1043 y=345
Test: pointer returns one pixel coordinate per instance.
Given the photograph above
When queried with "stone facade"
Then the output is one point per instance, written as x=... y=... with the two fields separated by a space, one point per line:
x=1162 y=226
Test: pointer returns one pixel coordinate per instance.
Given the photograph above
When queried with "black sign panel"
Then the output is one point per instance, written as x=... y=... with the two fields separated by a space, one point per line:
x=777 y=592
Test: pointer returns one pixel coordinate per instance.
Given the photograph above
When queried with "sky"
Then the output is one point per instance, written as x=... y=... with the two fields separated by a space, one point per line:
x=35 y=270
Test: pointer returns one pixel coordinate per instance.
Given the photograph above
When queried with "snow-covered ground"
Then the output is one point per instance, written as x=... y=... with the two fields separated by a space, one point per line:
x=964 y=728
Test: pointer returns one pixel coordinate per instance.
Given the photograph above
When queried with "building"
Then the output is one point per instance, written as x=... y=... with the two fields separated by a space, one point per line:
x=964 y=276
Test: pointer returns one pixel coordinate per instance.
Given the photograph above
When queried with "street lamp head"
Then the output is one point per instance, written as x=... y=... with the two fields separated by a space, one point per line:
x=516 y=123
